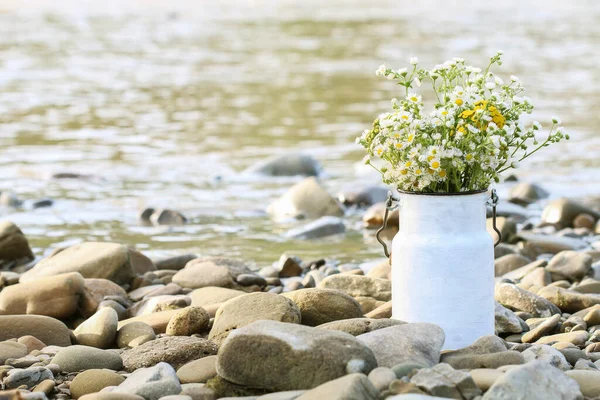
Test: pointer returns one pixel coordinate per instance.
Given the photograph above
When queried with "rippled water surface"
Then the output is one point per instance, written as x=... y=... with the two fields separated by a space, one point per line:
x=164 y=103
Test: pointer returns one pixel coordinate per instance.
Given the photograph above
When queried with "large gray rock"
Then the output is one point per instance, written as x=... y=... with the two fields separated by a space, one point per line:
x=359 y=286
x=319 y=306
x=349 y=387
x=80 y=358
x=506 y=320
x=243 y=310
x=532 y=381
x=306 y=199
x=526 y=193
x=13 y=244
x=324 y=226
x=444 y=381
x=512 y=296
x=419 y=343
x=175 y=350
x=281 y=356
x=112 y=261
x=286 y=165
x=151 y=383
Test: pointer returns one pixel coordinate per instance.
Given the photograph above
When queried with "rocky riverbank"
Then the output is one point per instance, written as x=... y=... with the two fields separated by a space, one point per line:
x=103 y=321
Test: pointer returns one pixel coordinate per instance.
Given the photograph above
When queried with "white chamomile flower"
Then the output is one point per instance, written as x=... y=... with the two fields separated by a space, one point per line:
x=500 y=52
x=435 y=164
x=402 y=71
x=414 y=98
x=381 y=70
x=405 y=116
x=417 y=81
x=555 y=120
x=379 y=151
x=490 y=85
x=472 y=129
x=514 y=78
x=414 y=60
x=518 y=100
x=498 y=80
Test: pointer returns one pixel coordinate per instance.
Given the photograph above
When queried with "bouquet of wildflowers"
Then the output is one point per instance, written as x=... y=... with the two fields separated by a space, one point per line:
x=466 y=141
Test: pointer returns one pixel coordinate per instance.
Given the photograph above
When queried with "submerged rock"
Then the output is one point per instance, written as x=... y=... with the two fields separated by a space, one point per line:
x=324 y=226
x=287 y=165
x=306 y=199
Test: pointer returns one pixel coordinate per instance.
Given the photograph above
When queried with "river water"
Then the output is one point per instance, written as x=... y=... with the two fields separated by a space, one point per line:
x=163 y=103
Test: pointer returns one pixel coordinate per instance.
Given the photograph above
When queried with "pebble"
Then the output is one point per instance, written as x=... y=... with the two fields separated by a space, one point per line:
x=27 y=377
x=588 y=381
x=444 y=381
x=359 y=286
x=320 y=306
x=278 y=345
x=419 y=343
x=203 y=274
x=562 y=212
x=506 y=321
x=569 y=300
x=111 y=396
x=79 y=358
x=100 y=330
x=548 y=354
x=383 y=311
x=569 y=265
x=188 y=321
x=534 y=380
x=286 y=165
x=352 y=386
x=578 y=338
x=175 y=350
x=509 y=262
x=322 y=227
x=198 y=371
x=132 y=331
x=245 y=309
x=10 y=349
x=13 y=244
x=53 y=296
x=381 y=377
x=151 y=383
x=544 y=328
x=251 y=279
x=484 y=378
x=94 y=380
x=510 y=295
x=358 y=326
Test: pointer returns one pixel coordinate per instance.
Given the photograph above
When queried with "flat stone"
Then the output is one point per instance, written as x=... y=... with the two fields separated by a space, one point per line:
x=203 y=274
x=28 y=377
x=444 y=381
x=538 y=277
x=94 y=380
x=570 y=265
x=10 y=349
x=198 y=391
x=188 y=321
x=545 y=328
x=112 y=261
x=287 y=395
x=175 y=262
x=359 y=286
x=151 y=305
x=536 y=244
x=484 y=378
x=491 y=360
x=381 y=377
x=54 y=296
x=243 y=310
x=132 y=331
x=158 y=321
x=568 y=300
x=349 y=387
x=306 y=199
x=578 y=338
x=81 y=358
x=373 y=217
x=292 y=356
x=151 y=383
x=417 y=342
x=358 y=326
x=49 y=330
x=519 y=273
x=508 y=263
x=511 y=296
x=322 y=227
x=198 y=371
x=561 y=212
x=95 y=291
x=175 y=350
x=45 y=386
x=110 y=396
x=383 y=311
x=213 y=295
x=100 y=330
x=588 y=381
x=525 y=193
x=320 y=306
x=31 y=342
x=534 y=380
x=286 y=165
x=548 y=354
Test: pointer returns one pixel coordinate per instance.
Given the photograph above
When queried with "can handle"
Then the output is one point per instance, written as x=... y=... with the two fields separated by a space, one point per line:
x=389 y=206
x=493 y=201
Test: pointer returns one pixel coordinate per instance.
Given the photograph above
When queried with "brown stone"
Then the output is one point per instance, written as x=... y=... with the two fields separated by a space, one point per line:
x=49 y=330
